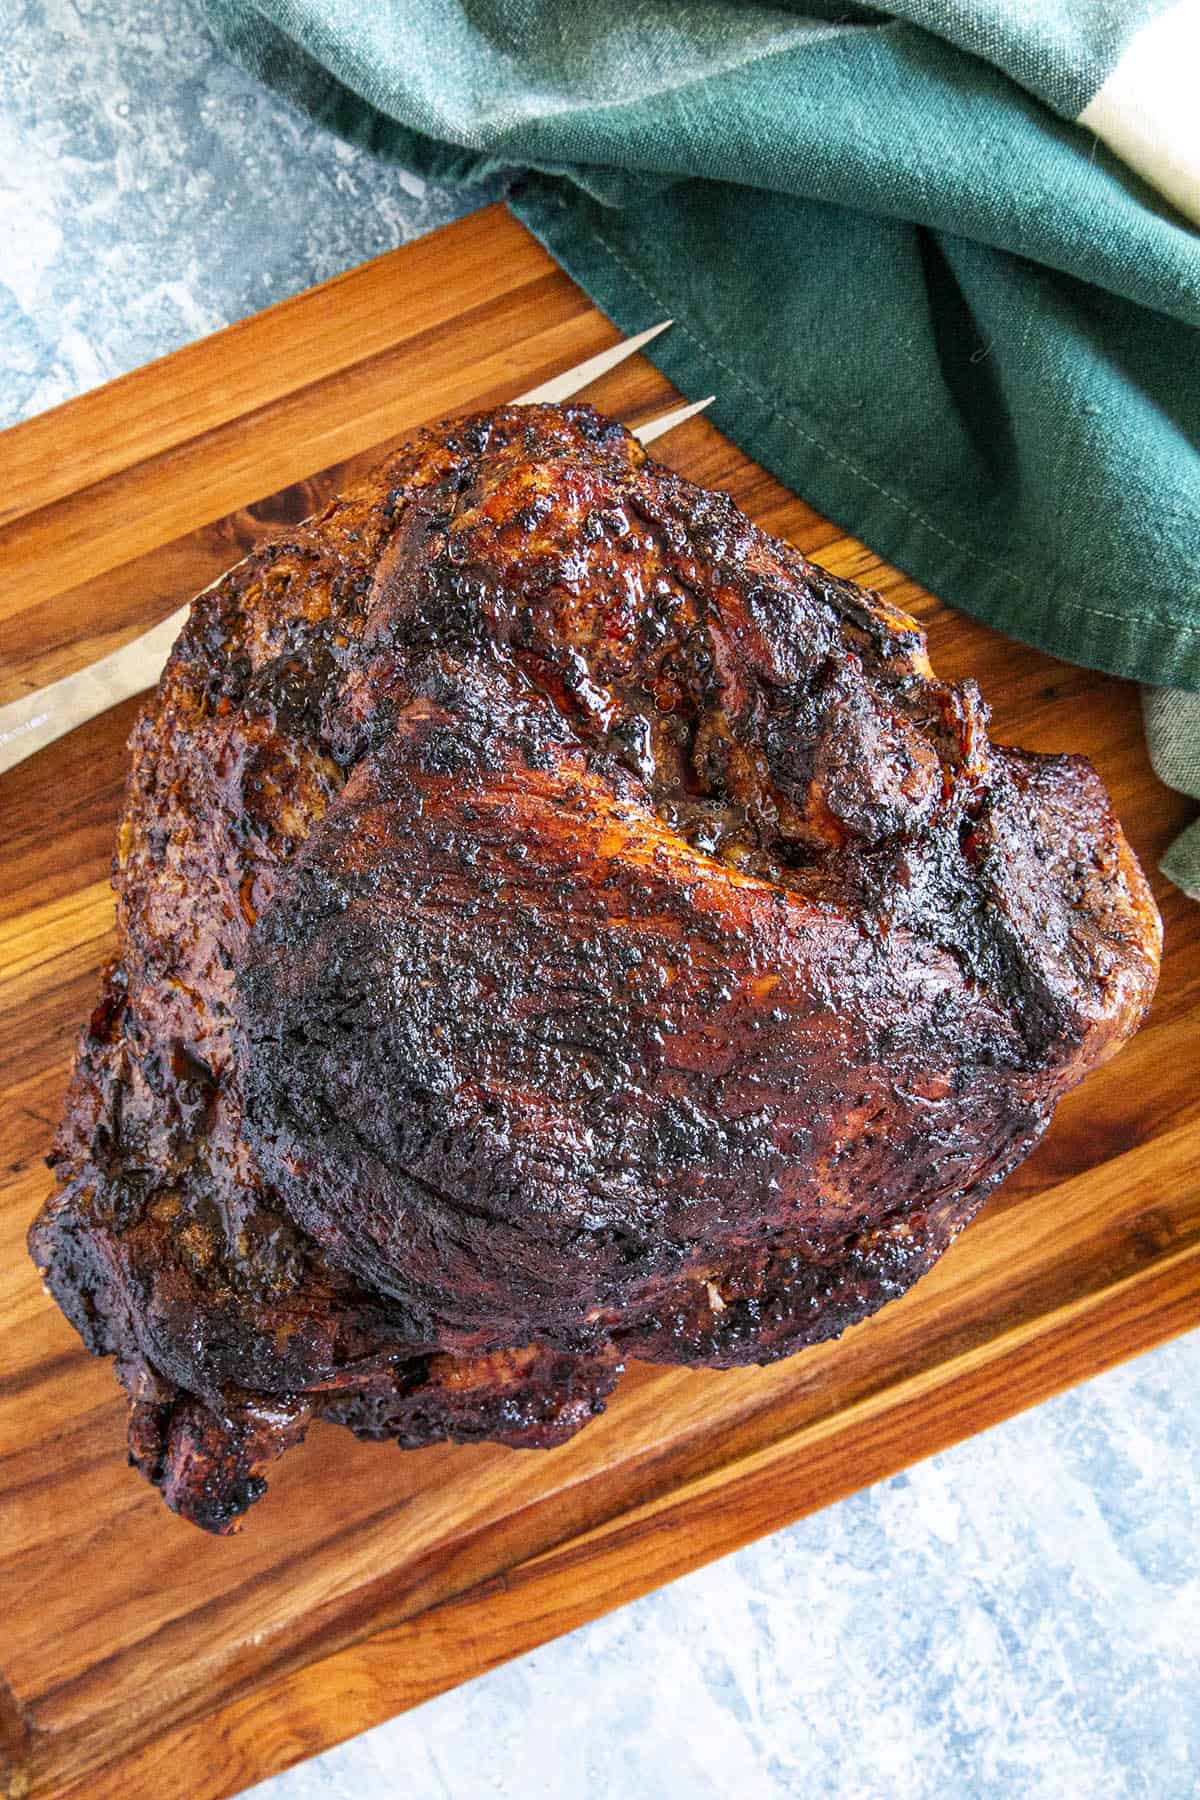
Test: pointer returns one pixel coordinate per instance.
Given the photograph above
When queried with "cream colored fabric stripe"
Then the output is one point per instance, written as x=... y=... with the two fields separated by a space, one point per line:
x=1148 y=111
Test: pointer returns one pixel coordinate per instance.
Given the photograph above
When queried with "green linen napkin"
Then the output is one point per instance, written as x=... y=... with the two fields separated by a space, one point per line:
x=961 y=323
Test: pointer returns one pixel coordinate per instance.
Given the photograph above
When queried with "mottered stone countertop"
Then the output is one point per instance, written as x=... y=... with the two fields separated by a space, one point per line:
x=1017 y=1617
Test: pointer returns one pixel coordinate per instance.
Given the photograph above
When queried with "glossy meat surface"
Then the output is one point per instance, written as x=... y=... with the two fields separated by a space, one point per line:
x=558 y=924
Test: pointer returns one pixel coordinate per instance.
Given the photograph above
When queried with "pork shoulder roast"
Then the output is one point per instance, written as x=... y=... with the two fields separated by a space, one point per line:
x=558 y=923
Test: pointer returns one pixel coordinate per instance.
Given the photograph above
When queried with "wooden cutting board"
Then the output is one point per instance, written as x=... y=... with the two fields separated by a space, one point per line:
x=140 y=1656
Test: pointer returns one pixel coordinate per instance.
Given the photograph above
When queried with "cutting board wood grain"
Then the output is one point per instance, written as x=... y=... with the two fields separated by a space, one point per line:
x=139 y=1657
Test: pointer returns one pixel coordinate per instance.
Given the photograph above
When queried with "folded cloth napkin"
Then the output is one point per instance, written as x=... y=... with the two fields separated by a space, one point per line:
x=939 y=264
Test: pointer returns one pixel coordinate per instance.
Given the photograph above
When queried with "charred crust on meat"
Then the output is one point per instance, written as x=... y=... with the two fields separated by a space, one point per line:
x=558 y=924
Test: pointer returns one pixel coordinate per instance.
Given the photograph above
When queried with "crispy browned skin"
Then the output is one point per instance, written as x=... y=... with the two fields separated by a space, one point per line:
x=558 y=923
